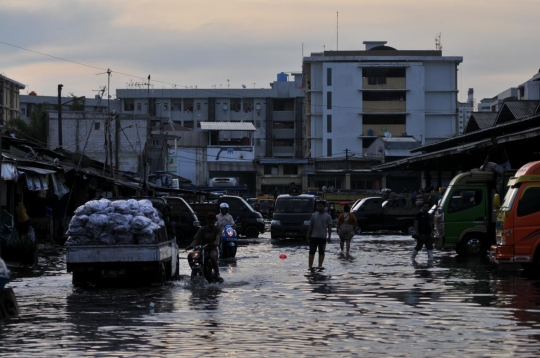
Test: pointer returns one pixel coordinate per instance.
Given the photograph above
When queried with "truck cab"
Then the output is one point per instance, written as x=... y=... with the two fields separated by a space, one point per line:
x=464 y=219
x=517 y=233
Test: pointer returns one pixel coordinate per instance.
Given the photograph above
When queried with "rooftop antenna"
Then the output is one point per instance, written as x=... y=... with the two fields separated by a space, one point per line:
x=438 y=43
x=337 y=31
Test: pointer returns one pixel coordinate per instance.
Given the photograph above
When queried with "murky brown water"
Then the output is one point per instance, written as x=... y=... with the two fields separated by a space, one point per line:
x=377 y=304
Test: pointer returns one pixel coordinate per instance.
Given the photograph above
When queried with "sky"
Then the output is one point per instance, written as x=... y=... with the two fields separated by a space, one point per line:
x=207 y=43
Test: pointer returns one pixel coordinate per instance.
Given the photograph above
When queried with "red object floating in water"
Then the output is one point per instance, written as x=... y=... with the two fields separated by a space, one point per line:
x=282 y=256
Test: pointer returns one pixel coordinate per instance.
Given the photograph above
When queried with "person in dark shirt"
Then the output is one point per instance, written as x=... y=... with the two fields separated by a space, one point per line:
x=497 y=155
x=293 y=190
x=422 y=233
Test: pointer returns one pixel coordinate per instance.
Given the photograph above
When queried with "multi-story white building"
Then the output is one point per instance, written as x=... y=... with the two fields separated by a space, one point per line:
x=354 y=96
x=465 y=109
x=9 y=98
x=529 y=90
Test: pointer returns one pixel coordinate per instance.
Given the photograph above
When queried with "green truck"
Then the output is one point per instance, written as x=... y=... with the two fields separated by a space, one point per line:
x=465 y=218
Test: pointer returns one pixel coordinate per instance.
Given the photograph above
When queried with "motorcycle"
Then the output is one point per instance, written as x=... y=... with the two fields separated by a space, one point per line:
x=229 y=242
x=201 y=265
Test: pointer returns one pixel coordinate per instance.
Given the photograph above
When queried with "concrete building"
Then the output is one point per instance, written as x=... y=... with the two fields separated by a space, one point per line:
x=9 y=98
x=86 y=133
x=465 y=109
x=32 y=102
x=353 y=97
x=276 y=114
x=529 y=90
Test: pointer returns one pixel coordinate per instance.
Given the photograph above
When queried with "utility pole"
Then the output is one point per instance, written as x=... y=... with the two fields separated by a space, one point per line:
x=60 y=116
x=346 y=160
x=148 y=132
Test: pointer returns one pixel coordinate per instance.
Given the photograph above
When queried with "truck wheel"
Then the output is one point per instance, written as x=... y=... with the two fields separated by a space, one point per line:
x=251 y=232
x=408 y=229
x=78 y=279
x=472 y=245
x=358 y=230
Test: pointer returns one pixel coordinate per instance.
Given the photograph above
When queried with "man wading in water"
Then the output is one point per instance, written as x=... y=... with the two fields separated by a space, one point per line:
x=320 y=227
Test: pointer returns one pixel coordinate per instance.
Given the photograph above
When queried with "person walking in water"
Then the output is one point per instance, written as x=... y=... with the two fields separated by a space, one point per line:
x=345 y=225
x=319 y=232
x=422 y=233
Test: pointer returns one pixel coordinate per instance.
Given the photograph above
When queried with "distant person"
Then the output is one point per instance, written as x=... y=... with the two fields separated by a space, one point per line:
x=497 y=162
x=422 y=233
x=293 y=190
x=319 y=232
x=346 y=225
x=324 y=189
x=224 y=218
x=257 y=206
x=497 y=155
x=276 y=193
x=413 y=199
x=21 y=217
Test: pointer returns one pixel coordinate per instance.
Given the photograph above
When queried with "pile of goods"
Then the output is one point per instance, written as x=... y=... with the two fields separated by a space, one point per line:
x=123 y=222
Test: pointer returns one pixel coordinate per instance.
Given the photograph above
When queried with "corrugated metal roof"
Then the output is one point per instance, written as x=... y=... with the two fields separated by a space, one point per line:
x=522 y=109
x=228 y=126
x=398 y=153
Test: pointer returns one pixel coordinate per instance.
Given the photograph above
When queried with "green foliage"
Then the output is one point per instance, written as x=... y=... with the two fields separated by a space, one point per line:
x=35 y=130
x=77 y=104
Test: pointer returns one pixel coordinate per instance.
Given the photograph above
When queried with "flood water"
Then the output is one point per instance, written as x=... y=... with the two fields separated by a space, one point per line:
x=375 y=304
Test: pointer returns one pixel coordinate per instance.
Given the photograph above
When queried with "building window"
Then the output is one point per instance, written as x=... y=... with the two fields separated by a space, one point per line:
x=177 y=106
x=271 y=169
x=129 y=105
x=258 y=124
x=165 y=106
x=290 y=169
x=329 y=147
x=96 y=126
x=283 y=125
x=139 y=106
x=283 y=105
x=328 y=100
x=198 y=106
x=329 y=123
x=188 y=124
x=329 y=77
x=155 y=141
x=155 y=123
x=258 y=141
x=23 y=111
x=283 y=142
x=361 y=184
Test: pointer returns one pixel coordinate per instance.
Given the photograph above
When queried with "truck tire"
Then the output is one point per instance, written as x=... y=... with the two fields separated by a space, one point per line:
x=408 y=229
x=472 y=245
x=251 y=232
x=78 y=279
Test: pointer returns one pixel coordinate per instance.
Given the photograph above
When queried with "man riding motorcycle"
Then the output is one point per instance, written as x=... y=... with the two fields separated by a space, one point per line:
x=210 y=235
x=224 y=218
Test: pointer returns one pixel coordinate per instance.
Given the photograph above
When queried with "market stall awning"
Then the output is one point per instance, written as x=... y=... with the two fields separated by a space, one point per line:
x=35 y=170
x=228 y=126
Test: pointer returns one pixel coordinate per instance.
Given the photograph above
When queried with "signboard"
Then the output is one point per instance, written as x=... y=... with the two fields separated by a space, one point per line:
x=383 y=129
x=8 y=304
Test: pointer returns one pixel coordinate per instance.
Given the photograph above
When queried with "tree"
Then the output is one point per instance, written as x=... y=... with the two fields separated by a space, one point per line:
x=35 y=130
x=78 y=103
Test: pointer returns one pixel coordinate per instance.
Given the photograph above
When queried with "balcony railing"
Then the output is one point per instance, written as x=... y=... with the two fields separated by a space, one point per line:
x=384 y=106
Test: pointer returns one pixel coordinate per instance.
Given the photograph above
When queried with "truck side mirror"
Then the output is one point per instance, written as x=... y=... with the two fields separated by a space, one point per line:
x=496 y=201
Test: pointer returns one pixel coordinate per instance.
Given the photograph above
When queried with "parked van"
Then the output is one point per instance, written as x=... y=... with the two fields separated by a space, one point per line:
x=184 y=218
x=291 y=216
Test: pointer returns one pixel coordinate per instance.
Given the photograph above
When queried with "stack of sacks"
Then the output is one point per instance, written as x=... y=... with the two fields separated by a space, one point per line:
x=125 y=222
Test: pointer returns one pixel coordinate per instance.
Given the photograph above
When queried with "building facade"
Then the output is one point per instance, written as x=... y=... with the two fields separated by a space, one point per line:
x=276 y=113
x=529 y=90
x=354 y=97
x=9 y=98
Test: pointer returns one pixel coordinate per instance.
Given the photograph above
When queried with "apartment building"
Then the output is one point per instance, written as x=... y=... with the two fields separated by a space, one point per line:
x=257 y=123
x=9 y=98
x=529 y=90
x=354 y=97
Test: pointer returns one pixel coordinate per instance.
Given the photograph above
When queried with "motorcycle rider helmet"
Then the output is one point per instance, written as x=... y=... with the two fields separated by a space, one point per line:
x=224 y=206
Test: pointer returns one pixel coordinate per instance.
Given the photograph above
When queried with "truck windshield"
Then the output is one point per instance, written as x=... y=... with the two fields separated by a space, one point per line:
x=509 y=199
x=295 y=205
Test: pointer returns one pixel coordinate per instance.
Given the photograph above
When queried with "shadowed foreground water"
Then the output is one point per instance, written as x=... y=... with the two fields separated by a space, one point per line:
x=377 y=303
